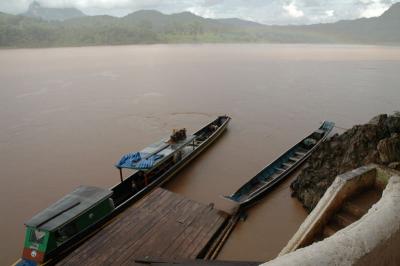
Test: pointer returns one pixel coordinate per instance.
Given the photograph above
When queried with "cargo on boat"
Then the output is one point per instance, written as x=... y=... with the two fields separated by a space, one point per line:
x=65 y=224
x=281 y=167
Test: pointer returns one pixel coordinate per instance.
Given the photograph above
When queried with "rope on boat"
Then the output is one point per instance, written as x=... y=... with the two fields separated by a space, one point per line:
x=341 y=128
x=335 y=126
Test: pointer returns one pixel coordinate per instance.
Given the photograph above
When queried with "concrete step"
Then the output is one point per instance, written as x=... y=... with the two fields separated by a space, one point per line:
x=343 y=219
x=354 y=209
x=328 y=231
x=366 y=198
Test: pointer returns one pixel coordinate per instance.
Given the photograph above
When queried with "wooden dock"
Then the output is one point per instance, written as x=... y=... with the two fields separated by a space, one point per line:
x=163 y=225
x=201 y=263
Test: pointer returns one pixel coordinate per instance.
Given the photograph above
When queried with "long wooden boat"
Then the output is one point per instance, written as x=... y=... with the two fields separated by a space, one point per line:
x=57 y=230
x=281 y=167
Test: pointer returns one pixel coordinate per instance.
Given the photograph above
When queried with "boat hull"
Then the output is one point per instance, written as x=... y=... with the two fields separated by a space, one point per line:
x=65 y=248
x=256 y=188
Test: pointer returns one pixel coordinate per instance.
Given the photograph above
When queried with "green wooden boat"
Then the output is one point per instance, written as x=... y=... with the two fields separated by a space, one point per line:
x=55 y=231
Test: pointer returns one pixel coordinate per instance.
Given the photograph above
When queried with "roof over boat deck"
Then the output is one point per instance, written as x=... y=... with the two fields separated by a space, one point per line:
x=68 y=208
x=163 y=225
x=153 y=155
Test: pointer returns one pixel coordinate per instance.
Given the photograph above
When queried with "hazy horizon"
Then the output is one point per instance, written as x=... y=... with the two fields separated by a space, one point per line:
x=293 y=12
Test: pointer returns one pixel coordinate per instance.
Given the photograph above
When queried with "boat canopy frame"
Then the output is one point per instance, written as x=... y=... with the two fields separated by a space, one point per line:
x=154 y=155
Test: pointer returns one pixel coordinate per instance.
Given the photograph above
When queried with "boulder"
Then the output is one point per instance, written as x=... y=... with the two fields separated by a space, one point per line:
x=395 y=166
x=393 y=124
x=378 y=141
x=389 y=149
x=378 y=120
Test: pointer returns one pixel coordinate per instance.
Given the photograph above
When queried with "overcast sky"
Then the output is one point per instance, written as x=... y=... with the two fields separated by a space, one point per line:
x=263 y=11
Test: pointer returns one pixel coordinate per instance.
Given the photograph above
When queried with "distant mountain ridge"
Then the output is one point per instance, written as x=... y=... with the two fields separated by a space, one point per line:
x=150 y=26
x=35 y=10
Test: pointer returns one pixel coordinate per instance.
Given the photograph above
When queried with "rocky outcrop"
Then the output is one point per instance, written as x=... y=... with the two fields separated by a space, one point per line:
x=378 y=141
x=389 y=149
x=395 y=166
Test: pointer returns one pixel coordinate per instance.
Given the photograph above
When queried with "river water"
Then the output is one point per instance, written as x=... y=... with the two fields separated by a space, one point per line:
x=68 y=114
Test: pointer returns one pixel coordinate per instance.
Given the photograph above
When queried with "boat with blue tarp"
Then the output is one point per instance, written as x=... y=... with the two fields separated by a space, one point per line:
x=275 y=172
x=57 y=230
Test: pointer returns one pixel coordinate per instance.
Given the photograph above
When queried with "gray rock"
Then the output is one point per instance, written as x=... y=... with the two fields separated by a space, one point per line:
x=378 y=120
x=393 y=124
x=356 y=147
x=395 y=165
x=389 y=149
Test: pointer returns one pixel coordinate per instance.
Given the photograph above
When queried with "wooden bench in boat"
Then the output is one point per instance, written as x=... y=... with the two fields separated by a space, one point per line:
x=300 y=153
x=288 y=165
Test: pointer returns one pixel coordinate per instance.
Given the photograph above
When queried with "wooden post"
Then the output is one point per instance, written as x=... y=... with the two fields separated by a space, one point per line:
x=120 y=174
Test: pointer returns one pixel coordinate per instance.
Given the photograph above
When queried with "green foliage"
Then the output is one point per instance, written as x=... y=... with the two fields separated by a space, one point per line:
x=145 y=27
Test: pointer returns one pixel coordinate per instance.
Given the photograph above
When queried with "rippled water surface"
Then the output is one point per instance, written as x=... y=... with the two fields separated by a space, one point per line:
x=68 y=114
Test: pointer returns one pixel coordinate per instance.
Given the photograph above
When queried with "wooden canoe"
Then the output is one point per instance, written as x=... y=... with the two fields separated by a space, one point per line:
x=281 y=167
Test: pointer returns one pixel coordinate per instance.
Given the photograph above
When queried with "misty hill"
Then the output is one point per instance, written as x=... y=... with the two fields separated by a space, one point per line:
x=149 y=26
x=383 y=29
x=35 y=10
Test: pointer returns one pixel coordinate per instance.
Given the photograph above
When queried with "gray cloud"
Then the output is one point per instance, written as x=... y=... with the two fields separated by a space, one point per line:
x=267 y=12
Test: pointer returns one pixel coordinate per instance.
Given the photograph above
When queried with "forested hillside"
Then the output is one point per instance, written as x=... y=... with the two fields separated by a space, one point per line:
x=146 y=27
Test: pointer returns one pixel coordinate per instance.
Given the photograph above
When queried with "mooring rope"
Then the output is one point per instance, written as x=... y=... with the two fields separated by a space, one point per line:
x=341 y=128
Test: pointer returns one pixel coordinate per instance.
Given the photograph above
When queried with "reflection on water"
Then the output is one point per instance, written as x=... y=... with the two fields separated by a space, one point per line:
x=68 y=114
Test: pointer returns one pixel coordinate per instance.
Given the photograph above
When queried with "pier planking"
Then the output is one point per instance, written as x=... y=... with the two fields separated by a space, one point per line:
x=163 y=225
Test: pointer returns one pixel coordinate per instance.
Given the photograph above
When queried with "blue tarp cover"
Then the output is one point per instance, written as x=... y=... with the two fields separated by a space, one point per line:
x=152 y=155
x=137 y=160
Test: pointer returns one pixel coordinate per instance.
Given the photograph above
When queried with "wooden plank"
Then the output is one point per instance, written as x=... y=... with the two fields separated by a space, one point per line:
x=184 y=223
x=200 y=263
x=186 y=236
x=105 y=238
x=161 y=225
x=132 y=245
x=196 y=240
x=126 y=246
x=159 y=238
x=206 y=236
x=112 y=237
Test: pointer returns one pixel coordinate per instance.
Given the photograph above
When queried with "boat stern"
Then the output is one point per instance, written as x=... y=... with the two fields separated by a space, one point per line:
x=35 y=246
x=24 y=262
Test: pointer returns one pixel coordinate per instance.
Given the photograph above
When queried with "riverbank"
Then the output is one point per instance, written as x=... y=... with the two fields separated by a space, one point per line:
x=377 y=141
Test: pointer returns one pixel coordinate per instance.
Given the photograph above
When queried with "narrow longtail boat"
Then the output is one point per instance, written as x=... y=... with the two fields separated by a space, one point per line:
x=271 y=175
x=57 y=230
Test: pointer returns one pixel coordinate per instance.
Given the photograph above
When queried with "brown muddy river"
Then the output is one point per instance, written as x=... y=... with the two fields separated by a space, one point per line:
x=67 y=115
